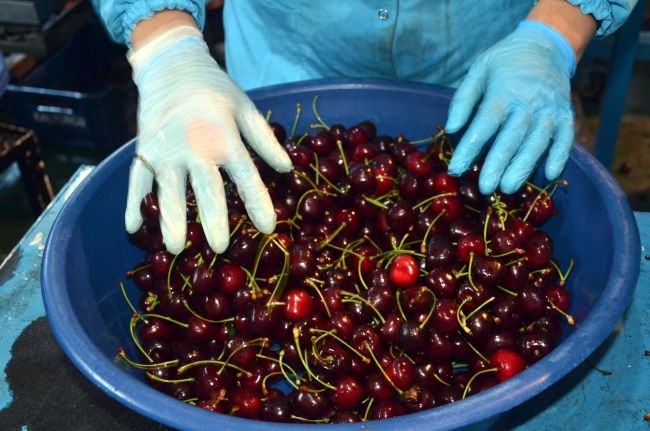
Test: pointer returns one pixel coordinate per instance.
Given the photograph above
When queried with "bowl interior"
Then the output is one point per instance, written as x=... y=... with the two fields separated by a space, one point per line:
x=88 y=254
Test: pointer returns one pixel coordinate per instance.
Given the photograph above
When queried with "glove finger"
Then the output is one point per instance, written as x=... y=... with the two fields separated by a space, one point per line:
x=488 y=118
x=260 y=137
x=140 y=183
x=504 y=148
x=173 y=208
x=528 y=155
x=254 y=194
x=465 y=98
x=560 y=149
x=211 y=200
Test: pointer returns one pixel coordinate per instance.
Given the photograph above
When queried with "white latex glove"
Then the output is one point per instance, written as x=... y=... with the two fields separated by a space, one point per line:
x=190 y=116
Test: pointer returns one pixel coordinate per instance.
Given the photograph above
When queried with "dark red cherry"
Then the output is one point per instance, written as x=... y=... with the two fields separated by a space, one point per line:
x=348 y=394
x=399 y=216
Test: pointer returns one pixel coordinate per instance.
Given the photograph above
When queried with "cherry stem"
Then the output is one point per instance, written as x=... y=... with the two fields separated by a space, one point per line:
x=319 y=174
x=563 y=276
x=331 y=236
x=316 y=421
x=438 y=378
x=399 y=306
x=278 y=290
x=148 y=165
x=479 y=307
x=171 y=267
x=472 y=209
x=313 y=106
x=375 y=202
x=252 y=283
x=603 y=372
x=169 y=319
x=132 y=326
x=373 y=243
x=302 y=138
x=181 y=370
x=516 y=250
x=402 y=353
x=139 y=268
x=194 y=313
x=241 y=221
x=306 y=178
x=242 y=346
x=186 y=282
x=478 y=353
x=431 y=138
x=365 y=301
x=282 y=366
x=268 y=115
x=265 y=392
x=135 y=312
x=490 y=370
x=435 y=301
x=154 y=366
x=512 y=262
x=541 y=193
x=295 y=121
x=265 y=241
x=469 y=271
x=569 y=319
x=432 y=198
x=365 y=416
x=423 y=248
x=460 y=316
x=399 y=391
x=154 y=377
x=340 y=340
x=510 y=292
x=339 y=144
x=485 y=226
x=320 y=294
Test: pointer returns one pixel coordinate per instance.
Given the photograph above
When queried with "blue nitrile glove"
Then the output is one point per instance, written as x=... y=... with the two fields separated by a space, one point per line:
x=524 y=84
x=190 y=115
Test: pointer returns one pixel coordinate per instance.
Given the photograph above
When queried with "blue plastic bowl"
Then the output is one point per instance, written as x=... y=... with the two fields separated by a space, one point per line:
x=87 y=253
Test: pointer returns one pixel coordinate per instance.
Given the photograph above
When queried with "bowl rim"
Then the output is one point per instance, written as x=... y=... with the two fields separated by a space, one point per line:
x=133 y=393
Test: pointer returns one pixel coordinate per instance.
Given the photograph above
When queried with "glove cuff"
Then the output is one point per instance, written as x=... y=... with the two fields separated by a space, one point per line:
x=557 y=38
x=139 y=58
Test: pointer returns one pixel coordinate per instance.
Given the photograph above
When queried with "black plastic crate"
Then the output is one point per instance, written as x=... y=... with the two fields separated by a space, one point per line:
x=81 y=96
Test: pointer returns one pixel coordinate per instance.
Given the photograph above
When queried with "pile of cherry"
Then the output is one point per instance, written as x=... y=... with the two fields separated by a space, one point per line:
x=388 y=287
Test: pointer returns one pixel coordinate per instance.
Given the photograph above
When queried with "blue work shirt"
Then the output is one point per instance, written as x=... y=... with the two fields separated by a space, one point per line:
x=277 y=41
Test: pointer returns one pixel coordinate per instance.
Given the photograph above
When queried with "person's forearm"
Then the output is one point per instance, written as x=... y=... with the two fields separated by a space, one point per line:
x=160 y=22
x=567 y=19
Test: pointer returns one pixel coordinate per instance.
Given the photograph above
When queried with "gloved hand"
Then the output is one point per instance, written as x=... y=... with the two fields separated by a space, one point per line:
x=190 y=116
x=524 y=83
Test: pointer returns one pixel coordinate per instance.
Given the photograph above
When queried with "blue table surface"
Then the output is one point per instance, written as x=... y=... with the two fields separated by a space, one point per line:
x=583 y=400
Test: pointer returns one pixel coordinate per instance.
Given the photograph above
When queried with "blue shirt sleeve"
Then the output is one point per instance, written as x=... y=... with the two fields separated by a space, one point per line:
x=610 y=14
x=119 y=17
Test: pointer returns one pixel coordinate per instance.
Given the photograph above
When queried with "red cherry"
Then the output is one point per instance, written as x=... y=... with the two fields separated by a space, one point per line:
x=385 y=182
x=445 y=183
x=404 y=270
x=298 y=304
x=539 y=210
x=507 y=363
x=419 y=163
x=470 y=244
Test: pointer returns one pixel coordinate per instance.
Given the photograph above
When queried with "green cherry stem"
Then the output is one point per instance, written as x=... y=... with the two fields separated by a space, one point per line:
x=135 y=312
x=490 y=370
x=313 y=106
x=399 y=391
x=295 y=121
x=365 y=301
